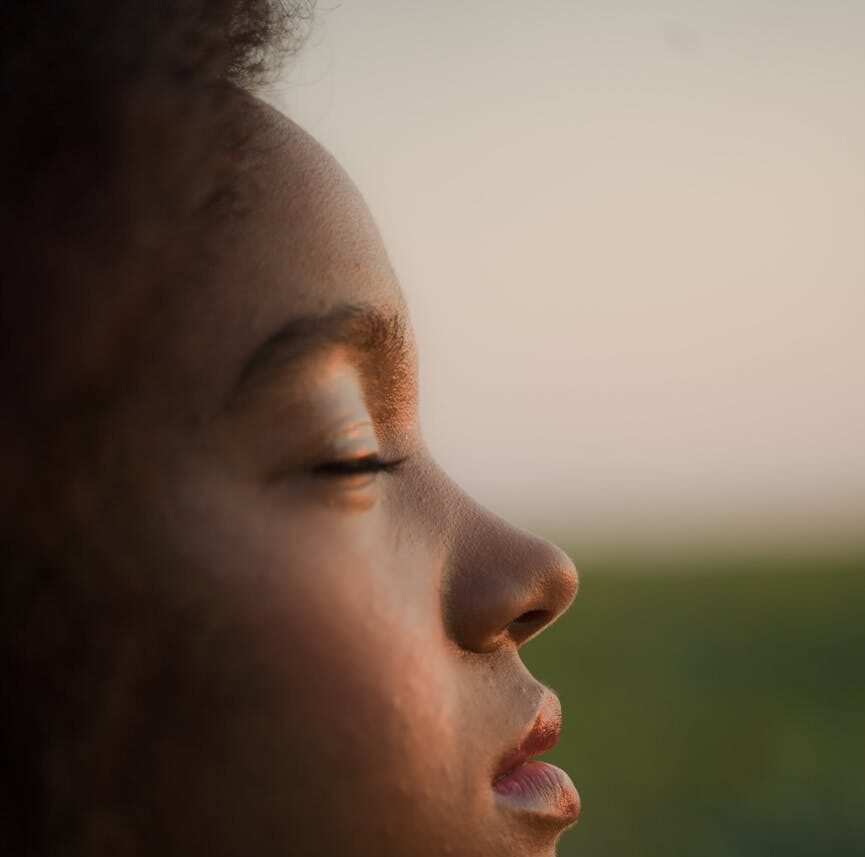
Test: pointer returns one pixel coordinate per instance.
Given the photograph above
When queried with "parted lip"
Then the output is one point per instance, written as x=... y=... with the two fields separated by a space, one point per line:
x=540 y=736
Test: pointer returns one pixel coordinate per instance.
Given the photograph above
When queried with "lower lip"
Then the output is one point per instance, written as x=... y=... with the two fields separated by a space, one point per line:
x=540 y=789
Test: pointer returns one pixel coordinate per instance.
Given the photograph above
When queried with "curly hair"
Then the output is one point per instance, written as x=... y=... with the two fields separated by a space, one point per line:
x=116 y=116
x=120 y=123
x=69 y=70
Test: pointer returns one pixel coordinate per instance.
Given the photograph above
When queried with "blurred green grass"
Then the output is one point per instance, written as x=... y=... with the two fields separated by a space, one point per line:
x=713 y=706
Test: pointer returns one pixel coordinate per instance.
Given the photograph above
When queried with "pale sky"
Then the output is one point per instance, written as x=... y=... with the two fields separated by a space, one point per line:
x=632 y=239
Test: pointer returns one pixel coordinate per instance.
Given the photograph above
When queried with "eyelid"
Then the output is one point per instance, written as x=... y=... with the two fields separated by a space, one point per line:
x=351 y=441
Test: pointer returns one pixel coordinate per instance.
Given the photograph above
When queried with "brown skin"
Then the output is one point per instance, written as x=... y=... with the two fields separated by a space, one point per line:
x=299 y=660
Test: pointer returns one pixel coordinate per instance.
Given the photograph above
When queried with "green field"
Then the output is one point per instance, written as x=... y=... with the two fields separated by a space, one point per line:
x=713 y=708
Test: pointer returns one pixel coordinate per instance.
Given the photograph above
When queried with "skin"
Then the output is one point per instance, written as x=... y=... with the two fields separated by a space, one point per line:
x=299 y=659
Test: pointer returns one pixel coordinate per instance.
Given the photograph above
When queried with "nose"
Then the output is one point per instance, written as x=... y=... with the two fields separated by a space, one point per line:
x=501 y=585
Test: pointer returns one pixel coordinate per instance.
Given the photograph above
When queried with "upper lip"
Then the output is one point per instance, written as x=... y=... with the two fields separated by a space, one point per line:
x=540 y=736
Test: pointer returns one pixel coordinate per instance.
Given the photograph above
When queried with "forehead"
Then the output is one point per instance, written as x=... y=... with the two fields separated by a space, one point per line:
x=312 y=240
x=309 y=223
x=304 y=247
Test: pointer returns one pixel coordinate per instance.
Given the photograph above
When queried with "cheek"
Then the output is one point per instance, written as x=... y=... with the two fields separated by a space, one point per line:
x=345 y=696
x=351 y=625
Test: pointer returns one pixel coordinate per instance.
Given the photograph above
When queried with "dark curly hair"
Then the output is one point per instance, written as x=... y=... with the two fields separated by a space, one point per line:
x=116 y=118
x=121 y=124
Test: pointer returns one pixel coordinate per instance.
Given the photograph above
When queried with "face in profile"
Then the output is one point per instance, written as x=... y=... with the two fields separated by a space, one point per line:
x=315 y=632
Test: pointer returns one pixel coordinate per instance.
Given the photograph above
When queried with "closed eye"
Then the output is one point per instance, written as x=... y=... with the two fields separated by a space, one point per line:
x=353 y=466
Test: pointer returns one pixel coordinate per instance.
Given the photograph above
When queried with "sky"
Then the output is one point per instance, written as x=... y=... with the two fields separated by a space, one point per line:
x=632 y=239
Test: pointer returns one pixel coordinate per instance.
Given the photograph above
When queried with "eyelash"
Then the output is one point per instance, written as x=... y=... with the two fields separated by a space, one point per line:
x=355 y=466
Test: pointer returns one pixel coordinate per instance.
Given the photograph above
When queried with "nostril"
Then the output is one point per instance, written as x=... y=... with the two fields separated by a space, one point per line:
x=527 y=624
x=532 y=617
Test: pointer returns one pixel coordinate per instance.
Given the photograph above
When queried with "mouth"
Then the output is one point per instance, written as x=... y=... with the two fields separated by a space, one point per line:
x=534 y=788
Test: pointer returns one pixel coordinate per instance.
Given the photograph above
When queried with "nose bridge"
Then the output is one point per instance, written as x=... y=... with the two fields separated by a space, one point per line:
x=500 y=584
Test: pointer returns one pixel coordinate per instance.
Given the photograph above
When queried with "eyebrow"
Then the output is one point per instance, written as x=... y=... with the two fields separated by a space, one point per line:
x=379 y=337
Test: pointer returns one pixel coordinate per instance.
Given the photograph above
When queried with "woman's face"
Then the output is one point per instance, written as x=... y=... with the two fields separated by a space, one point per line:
x=318 y=653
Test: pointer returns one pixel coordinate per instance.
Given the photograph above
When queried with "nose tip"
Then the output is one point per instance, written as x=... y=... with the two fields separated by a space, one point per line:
x=505 y=586
x=559 y=585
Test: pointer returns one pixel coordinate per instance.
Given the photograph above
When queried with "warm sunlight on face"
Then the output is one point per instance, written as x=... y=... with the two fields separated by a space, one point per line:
x=333 y=623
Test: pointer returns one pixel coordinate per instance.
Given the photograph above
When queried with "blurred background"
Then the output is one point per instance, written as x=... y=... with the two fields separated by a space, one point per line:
x=632 y=239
